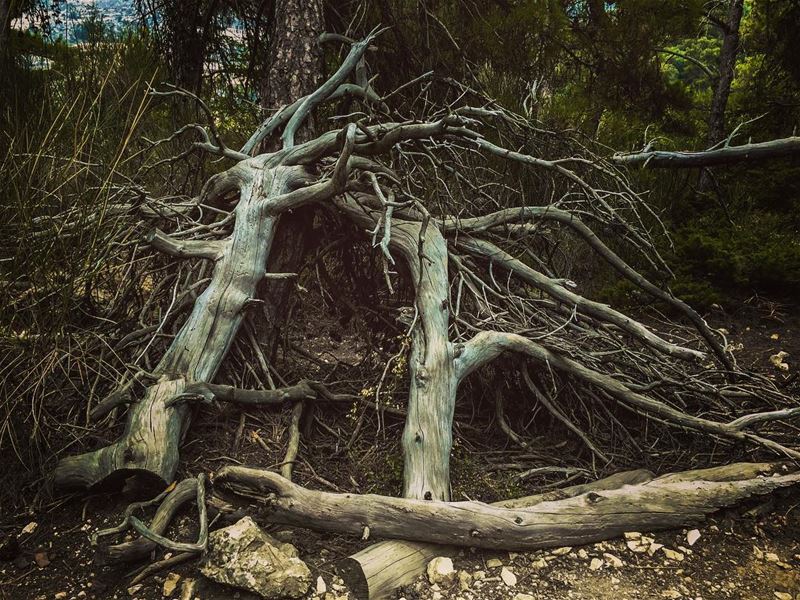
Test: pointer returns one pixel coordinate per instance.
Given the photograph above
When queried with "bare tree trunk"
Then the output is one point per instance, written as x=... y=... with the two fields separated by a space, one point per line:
x=727 y=65
x=295 y=70
x=149 y=444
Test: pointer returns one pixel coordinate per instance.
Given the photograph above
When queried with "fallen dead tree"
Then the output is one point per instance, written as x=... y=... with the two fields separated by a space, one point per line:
x=471 y=232
x=675 y=500
x=725 y=155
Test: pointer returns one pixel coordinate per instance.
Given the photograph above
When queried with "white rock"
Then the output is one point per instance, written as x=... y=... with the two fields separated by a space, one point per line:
x=60 y=595
x=692 y=537
x=522 y=596
x=672 y=594
x=188 y=587
x=612 y=560
x=538 y=563
x=134 y=589
x=561 y=551
x=508 y=577
x=635 y=546
x=478 y=575
x=672 y=554
x=654 y=548
x=632 y=535
x=245 y=557
x=582 y=554
x=771 y=557
x=440 y=571
x=170 y=584
x=596 y=564
x=783 y=596
x=321 y=587
x=493 y=563
x=30 y=528
x=464 y=581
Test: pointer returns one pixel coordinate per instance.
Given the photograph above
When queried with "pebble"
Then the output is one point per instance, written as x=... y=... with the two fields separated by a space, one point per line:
x=440 y=570
x=493 y=563
x=632 y=535
x=582 y=554
x=561 y=551
x=170 y=583
x=614 y=561
x=672 y=554
x=522 y=596
x=60 y=595
x=596 y=564
x=321 y=587
x=692 y=537
x=464 y=581
x=508 y=577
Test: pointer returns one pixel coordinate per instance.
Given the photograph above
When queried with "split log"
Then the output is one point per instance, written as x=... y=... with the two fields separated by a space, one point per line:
x=377 y=571
x=586 y=518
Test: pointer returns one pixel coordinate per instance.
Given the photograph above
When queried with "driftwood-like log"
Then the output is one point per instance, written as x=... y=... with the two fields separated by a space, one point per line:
x=663 y=159
x=376 y=572
x=589 y=517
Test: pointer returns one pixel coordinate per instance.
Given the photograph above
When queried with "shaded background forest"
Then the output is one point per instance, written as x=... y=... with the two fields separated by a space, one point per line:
x=76 y=131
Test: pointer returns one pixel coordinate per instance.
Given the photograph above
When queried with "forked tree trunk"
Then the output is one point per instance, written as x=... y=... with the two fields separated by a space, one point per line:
x=149 y=444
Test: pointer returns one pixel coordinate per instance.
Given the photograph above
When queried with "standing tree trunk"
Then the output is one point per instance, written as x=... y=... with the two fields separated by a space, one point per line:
x=295 y=70
x=727 y=65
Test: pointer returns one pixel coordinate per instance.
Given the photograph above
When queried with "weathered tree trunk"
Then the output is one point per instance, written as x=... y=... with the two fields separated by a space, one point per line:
x=149 y=444
x=377 y=571
x=727 y=66
x=295 y=70
x=295 y=57
x=663 y=159
x=663 y=503
x=427 y=437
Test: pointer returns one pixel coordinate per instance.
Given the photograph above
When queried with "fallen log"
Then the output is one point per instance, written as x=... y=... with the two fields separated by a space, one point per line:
x=582 y=519
x=378 y=570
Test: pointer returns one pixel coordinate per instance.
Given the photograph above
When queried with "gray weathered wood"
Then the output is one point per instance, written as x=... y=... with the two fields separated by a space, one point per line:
x=589 y=517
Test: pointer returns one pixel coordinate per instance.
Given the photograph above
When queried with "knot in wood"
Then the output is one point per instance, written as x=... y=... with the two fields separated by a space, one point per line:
x=593 y=498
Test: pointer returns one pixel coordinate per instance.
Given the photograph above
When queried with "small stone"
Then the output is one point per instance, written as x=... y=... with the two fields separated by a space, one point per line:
x=478 y=575
x=561 y=551
x=464 y=581
x=522 y=596
x=632 y=535
x=493 y=563
x=654 y=548
x=538 y=563
x=512 y=556
x=170 y=583
x=60 y=595
x=243 y=556
x=134 y=589
x=440 y=571
x=692 y=537
x=672 y=554
x=30 y=528
x=188 y=587
x=672 y=594
x=508 y=577
x=596 y=564
x=582 y=554
x=436 y=596
x=321 y=587
x=771 y=557
x=783 y=596
x=635 y=546
x=612 y=560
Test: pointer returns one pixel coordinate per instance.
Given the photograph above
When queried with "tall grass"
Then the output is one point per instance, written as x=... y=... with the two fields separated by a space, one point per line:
x=69 y=160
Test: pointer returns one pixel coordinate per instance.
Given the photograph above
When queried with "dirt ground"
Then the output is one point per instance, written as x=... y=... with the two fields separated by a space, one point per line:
x=750 y=553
